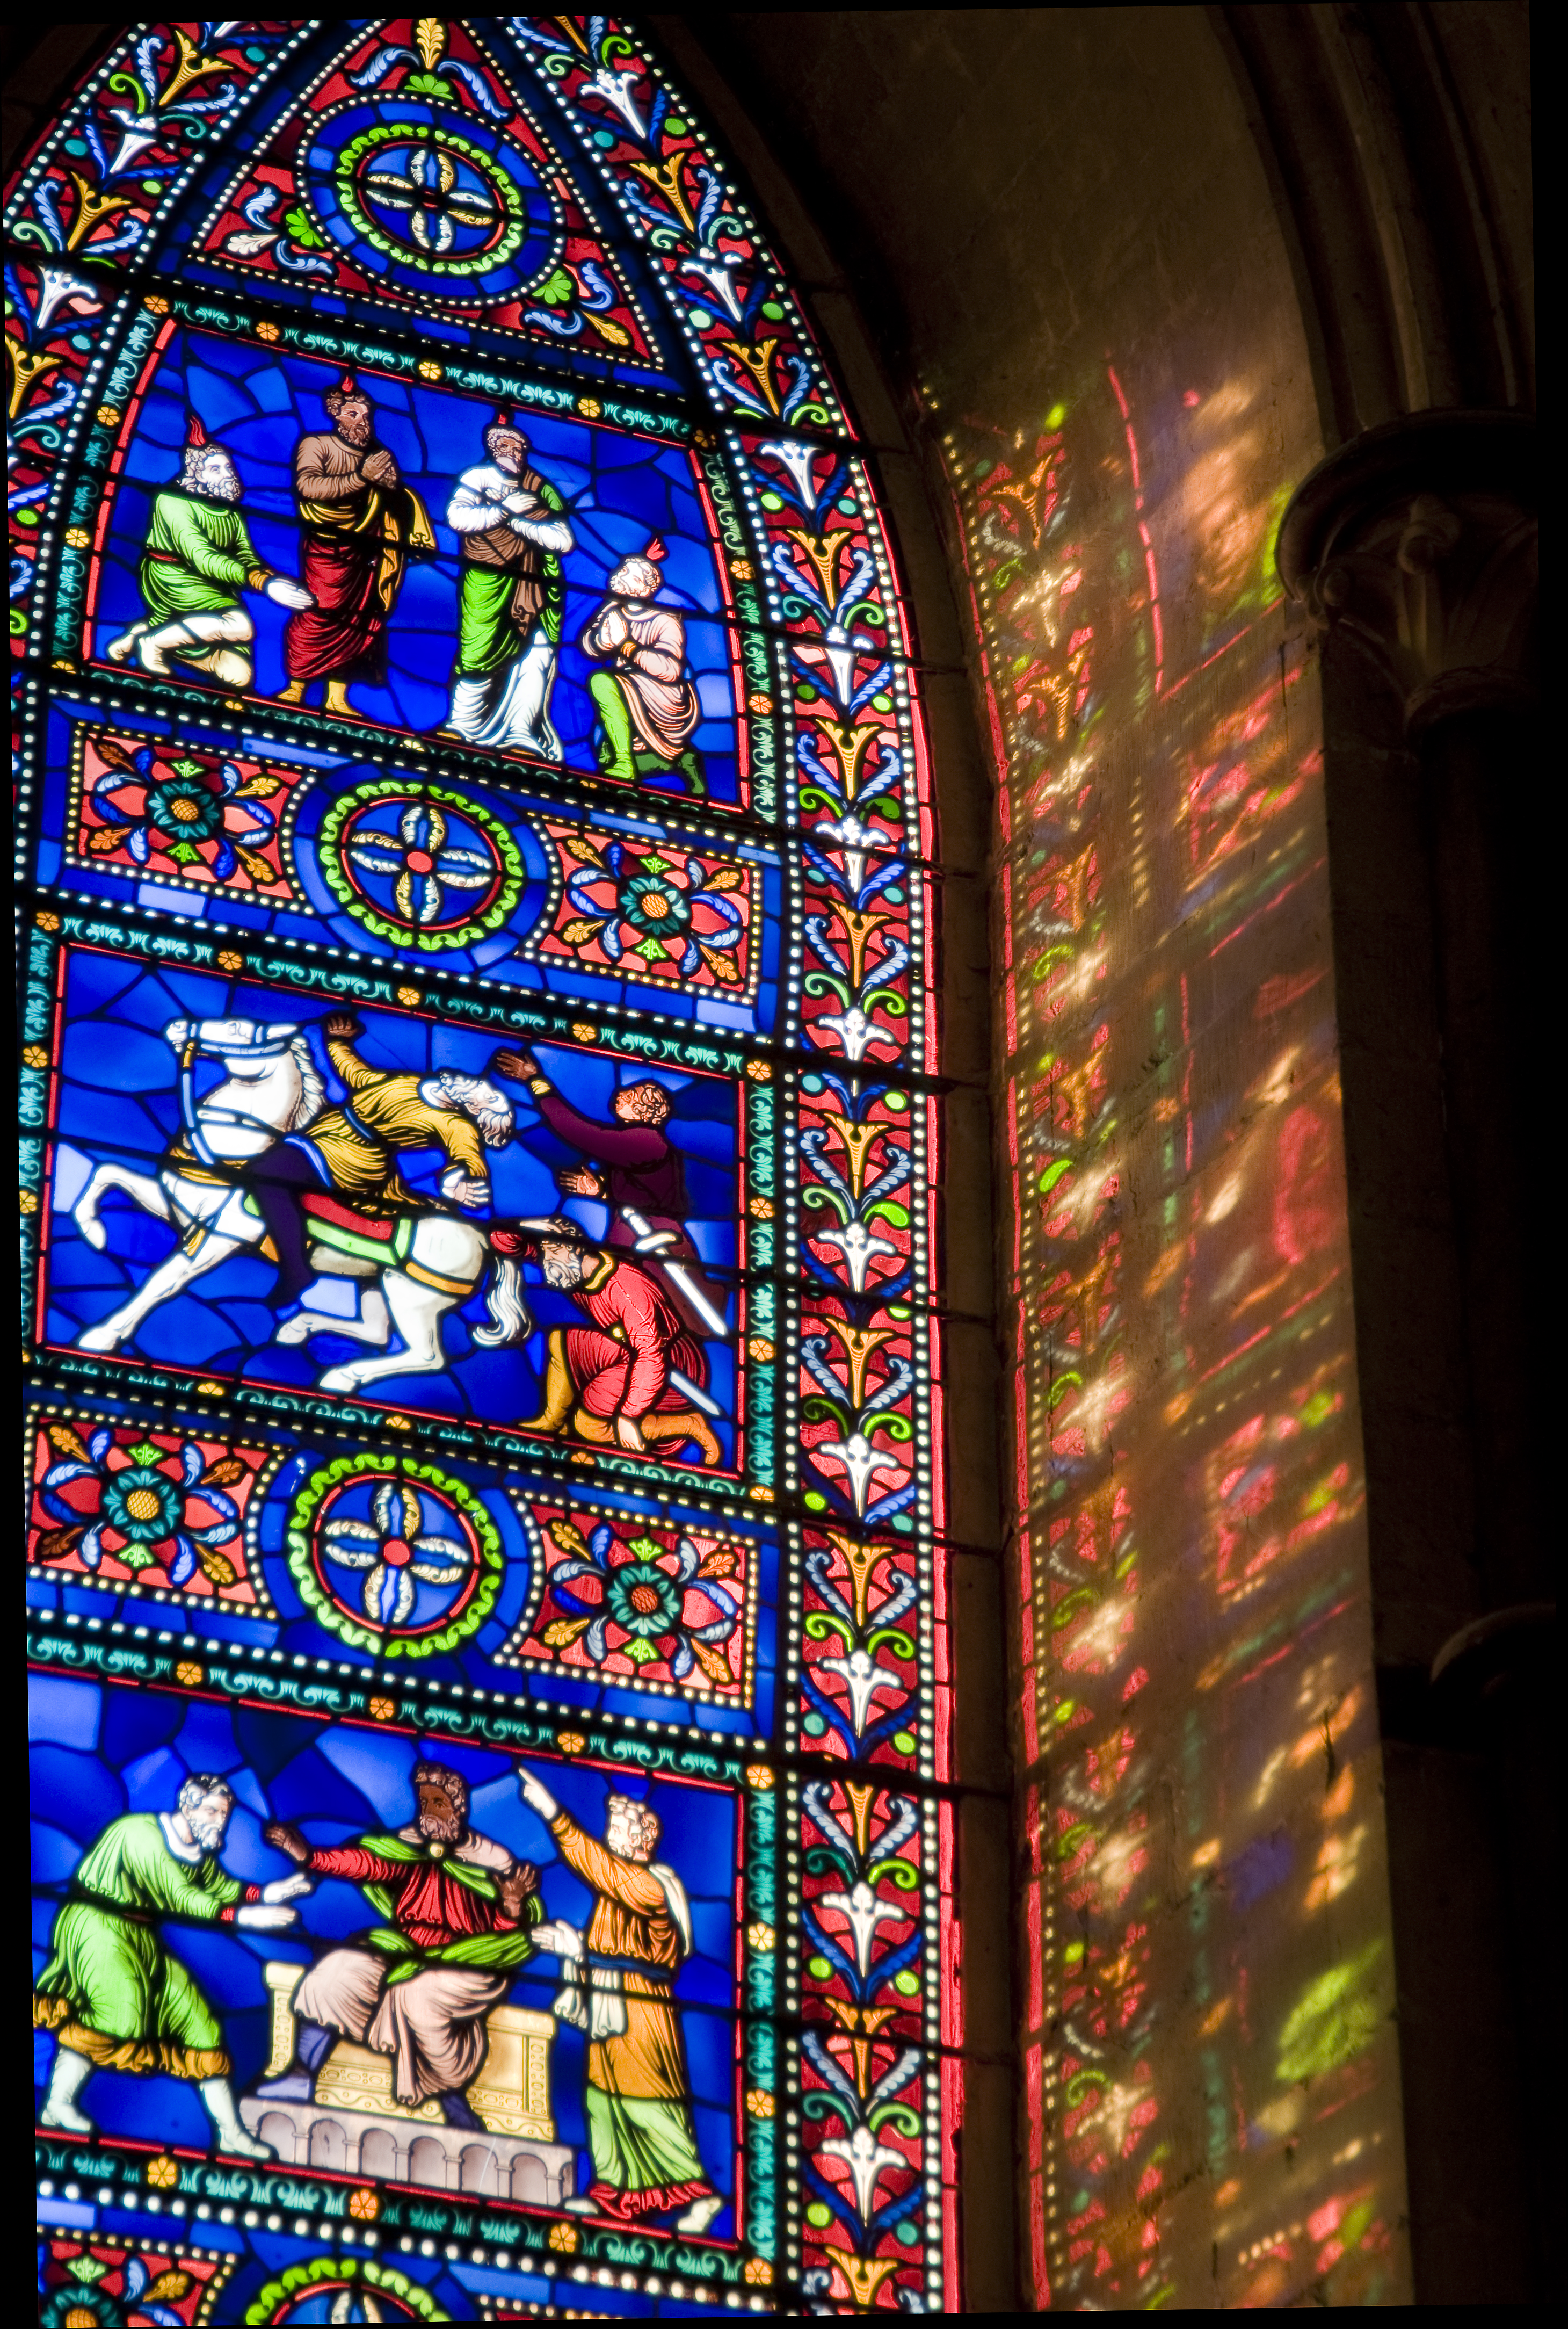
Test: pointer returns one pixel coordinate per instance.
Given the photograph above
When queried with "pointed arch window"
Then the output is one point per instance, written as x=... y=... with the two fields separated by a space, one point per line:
x=484 y=1427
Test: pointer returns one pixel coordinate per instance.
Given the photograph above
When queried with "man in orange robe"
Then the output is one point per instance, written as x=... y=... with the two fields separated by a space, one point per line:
x=619 y=1988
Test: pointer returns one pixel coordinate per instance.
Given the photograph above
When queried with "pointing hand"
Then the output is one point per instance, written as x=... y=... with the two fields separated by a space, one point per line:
x=537 y=1795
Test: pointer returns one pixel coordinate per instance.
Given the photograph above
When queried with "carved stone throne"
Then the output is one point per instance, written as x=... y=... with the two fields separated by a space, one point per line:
x=355 y=2126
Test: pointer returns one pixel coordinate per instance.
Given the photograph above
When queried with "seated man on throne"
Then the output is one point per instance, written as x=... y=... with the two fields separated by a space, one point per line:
x=458 y=1910
x=351 y=1151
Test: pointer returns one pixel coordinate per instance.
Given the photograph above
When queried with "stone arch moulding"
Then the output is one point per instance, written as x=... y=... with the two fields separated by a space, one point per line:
x=273 y=1581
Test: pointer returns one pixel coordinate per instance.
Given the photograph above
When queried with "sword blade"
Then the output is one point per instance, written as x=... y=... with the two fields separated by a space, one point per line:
x=642 y=1227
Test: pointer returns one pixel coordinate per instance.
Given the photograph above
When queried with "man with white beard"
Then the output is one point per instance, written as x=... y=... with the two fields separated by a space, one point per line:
x=198 y=560
x=113 y=1991
x=513 y=530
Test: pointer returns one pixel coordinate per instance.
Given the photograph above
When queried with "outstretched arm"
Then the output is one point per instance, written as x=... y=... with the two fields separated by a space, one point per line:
x=537 y=1795
x=342 y=1031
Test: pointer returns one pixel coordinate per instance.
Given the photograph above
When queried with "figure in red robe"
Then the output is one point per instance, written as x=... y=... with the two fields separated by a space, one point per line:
x=361 y=526
x=457 y=1910
x=632 y=1375
x=634 y=1167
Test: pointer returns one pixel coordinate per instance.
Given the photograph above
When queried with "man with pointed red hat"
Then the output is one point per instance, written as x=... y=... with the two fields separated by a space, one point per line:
x=362 y=526
x=513 y=531
x=199 y=558
x=648 y=707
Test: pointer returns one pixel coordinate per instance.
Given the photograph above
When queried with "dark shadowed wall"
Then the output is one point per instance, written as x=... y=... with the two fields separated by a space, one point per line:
x=1110 y=283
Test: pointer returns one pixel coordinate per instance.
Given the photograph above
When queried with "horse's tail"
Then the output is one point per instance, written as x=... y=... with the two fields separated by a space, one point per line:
x=506 y=1302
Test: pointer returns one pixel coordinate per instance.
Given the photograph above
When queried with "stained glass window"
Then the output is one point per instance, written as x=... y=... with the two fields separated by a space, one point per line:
x=483 y=1445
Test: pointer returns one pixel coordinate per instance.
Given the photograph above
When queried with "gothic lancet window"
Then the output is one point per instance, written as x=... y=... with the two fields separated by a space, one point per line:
x=483 y=1455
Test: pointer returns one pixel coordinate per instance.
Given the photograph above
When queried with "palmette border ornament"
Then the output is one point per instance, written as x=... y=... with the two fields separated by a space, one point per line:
x=864 y=2172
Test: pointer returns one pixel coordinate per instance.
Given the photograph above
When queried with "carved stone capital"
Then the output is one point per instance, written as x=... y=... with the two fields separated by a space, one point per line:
x=1418 y=543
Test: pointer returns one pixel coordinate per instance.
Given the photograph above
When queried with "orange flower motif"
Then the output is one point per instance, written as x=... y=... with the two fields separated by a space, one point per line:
x=162 y=2173
x=564 y=2237
x=365 y=2205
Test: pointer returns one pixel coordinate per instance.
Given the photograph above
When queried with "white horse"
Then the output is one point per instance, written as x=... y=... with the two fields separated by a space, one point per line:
x=273 y=1087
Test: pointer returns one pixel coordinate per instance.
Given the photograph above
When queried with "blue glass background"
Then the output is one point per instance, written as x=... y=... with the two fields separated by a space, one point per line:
x=494 y=957
x=619 y=490
x=98 y=1753
x=119 y=1097
x=296 y=1632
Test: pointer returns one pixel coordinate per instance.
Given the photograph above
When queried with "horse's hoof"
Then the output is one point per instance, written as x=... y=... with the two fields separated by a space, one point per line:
x=93 y=1231
x=300 y=1329
x=339 y=1379
x=97 y=1338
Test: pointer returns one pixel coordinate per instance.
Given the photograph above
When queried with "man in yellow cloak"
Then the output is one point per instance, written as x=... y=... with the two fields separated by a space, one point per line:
x=619 y=1988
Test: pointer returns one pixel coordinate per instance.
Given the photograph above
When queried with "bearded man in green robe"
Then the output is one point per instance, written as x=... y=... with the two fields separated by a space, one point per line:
x=511 y=525
x=199 y=558
x=114 y=1995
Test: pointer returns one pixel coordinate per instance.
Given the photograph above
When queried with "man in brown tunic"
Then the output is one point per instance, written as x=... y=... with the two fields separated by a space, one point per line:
x=362 y=525
x=513 y=526
x=619 y=1985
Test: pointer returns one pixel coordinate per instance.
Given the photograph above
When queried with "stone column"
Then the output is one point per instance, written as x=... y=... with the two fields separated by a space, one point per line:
x=1412 y=554
x=1414 y=549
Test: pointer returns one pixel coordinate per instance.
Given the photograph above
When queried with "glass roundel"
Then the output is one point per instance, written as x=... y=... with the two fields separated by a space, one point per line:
x=414 y=192
x=408 y=860
x=406 y=1557
x=482 y=1426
